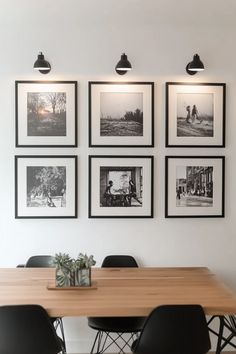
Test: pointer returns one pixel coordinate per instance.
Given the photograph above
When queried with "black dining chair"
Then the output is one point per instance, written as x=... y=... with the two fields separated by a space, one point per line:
x=27 y=329
x=174 y=329
x=40 y=261
x=46 y=261
x=118 y=331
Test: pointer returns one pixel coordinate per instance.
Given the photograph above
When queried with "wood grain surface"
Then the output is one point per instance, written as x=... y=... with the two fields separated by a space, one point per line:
x=119 y=291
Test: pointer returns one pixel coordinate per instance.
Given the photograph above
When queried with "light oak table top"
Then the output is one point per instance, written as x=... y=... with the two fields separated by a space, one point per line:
x=118 y=291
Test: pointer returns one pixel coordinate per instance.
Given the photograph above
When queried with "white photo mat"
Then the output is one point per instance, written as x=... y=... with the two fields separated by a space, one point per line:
x=24 y=211
x=217 y=90
x=96 y=88
x=147 y=181
x=217 y=207
x=22 y=89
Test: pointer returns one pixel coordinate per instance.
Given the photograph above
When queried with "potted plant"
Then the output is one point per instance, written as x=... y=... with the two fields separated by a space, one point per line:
x=83 y=265
x=64 y=266
x=73 y=271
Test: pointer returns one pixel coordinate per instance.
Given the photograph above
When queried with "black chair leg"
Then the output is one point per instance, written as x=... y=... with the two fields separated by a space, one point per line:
x=227 y=341
x=95 y=340
x=223 y=341
x=101 y=342
x=220 y=335
x=59 y=323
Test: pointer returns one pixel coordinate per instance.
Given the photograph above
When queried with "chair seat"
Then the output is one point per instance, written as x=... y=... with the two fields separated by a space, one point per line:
x=117 y=324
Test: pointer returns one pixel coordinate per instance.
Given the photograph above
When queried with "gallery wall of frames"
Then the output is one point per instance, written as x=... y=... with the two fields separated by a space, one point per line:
x=121 y=114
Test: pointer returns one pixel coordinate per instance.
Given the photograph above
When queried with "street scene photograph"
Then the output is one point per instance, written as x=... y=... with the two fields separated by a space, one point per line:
x=194 y=186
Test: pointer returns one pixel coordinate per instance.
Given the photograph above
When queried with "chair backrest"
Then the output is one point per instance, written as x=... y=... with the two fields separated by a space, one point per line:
x=174 y=329
x=41 y=261
x=119 y=261
x=27 y=329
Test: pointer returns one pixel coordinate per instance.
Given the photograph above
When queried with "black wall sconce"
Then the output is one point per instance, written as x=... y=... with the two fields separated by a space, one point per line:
x=42 y=65
x=123 y=65
x=195 y=65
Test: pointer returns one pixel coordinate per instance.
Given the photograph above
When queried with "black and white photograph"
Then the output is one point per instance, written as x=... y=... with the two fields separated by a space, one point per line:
x=120 y=186
x=46 y=113
x=46 y=186
x=121 y=114
x=195 y=115
x=194 y=186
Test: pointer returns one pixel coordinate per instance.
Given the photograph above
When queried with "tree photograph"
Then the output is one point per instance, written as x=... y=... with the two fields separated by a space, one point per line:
x=46 y=114
x=46 y=186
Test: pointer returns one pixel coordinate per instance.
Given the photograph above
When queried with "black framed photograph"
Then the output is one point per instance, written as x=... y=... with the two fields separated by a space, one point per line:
x=195 y=186
x=195 y=114
x=46 y=113
x=121 y=114
x=120 y=186
x=45 y=186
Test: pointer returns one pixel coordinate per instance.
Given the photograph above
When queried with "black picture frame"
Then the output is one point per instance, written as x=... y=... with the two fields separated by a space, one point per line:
x=121 y=204
x=209 y=129
x=39 y=202
x=146 y=137
x=27 y=132
x=199 y=190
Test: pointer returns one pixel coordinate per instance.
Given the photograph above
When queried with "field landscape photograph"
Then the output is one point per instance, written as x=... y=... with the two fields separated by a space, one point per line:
x=121 y=114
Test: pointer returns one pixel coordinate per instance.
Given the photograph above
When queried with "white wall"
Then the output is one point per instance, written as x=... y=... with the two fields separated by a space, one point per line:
x=83 y=40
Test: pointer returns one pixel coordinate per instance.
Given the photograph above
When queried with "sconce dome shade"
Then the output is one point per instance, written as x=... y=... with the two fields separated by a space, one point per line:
x=42 y=65
x=123 y=65
x=195 y=65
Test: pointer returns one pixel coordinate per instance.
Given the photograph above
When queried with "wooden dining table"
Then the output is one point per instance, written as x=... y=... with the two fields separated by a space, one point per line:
x=118 y=291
